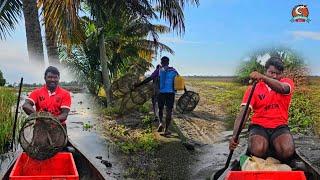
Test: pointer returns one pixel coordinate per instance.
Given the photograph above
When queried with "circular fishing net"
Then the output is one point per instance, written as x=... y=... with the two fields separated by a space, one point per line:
x=187 y=102
x=124 y=85
x=42 y=136
x=142 y=94
x=136 y=97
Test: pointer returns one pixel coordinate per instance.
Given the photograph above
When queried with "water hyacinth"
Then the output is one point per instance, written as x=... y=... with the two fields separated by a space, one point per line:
x=7 y=102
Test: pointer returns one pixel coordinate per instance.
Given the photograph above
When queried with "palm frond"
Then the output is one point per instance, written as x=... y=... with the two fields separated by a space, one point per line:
x=147 y=44
x=63 y=17
x=10 y=13
x=85 y=69
x=172 y=11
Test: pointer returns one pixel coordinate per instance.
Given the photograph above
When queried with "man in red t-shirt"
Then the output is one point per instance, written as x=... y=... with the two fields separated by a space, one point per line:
x=50 y=97
x=268 y=130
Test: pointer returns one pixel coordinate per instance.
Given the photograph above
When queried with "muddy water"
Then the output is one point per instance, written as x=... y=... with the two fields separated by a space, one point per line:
x=309 y=147
x=209 y=158
x=83 y=130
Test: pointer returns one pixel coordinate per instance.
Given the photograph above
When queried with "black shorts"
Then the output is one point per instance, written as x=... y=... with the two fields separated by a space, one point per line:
x=269 y=133
x=166 y=99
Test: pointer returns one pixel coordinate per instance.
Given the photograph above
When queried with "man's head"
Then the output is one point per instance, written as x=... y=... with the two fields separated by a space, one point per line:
x=274 y=68
x=164 y=61
x=52 y=77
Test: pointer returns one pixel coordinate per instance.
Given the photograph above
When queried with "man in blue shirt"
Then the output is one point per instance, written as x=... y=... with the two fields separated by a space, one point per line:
x=166 y=97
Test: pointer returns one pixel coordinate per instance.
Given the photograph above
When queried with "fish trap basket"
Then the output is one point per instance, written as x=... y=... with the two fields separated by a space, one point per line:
x=136 y=97
x=42 y=136
x=142 y=94
x=124 y=85
x=187 y=102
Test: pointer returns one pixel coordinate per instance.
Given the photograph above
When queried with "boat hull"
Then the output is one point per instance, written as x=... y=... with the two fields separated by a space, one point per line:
x=86 y=169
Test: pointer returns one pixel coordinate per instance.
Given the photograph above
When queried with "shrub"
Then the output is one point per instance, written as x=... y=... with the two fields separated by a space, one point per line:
x=2 y=80
x=295 y=67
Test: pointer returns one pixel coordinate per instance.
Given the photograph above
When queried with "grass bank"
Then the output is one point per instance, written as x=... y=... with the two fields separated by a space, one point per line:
x=7 y=101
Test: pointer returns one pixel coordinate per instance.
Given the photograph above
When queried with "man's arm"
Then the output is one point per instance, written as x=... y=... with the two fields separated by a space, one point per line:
x=28 y=107
x=234 y=142
x=148 y=79
x=238 y=120
x=64 y=114
x=154 y=75
x=279 y=87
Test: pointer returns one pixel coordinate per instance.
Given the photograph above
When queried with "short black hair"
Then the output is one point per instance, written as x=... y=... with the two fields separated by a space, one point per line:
x=165 y=60
x=53 y=70
x=276 y=62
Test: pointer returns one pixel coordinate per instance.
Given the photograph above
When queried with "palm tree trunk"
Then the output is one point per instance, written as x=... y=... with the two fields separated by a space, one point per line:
x=51 y=43
x=33 y=32
x=105 y=69
x=52 y=49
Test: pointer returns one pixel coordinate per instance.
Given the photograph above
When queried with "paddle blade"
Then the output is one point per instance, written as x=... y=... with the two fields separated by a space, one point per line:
x=218 y=174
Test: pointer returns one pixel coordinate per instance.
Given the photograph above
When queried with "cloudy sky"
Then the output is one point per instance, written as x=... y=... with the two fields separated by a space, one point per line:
x=219 y=34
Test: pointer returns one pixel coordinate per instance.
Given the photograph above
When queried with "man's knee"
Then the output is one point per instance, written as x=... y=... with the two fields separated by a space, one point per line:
x=259 y=150
x=285 y=151
x=258 y=146
x=284 y=146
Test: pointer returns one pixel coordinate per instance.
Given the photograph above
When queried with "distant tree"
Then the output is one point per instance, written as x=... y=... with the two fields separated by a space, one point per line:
x=2 y=80
x=246 y=67
x=295 y=67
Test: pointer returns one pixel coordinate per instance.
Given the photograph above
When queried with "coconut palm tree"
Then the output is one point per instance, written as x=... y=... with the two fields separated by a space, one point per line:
x=10 y=13
x=33 y=32
x=63 y=15
x=51 y=42
x=126 y=45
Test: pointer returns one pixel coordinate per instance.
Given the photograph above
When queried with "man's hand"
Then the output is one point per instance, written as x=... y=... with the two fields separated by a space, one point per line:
x=136 y=85
x=233 y=144
x=256 y=76
x=28 y=107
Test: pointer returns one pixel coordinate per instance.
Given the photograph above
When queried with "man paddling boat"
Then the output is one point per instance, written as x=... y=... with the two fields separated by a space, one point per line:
x=268 y=130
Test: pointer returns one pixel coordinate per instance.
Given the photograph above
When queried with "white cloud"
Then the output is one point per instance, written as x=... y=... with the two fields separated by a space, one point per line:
x=14 y=64
x=306 y=35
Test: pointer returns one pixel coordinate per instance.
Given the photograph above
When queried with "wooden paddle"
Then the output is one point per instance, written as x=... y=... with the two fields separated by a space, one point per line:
x=220 y=172
x=16 y=115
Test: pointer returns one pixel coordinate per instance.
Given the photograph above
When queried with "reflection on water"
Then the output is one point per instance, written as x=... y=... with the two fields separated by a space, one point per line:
x=83 y=112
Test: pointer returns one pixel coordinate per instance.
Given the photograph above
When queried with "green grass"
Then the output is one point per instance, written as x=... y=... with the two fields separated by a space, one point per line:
x=145 y=108
x=129 y=140
x=111 y=111
x=132 y=139
x=7 y=101
x=87 y=126
x=312 y=95
x=145 y=142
